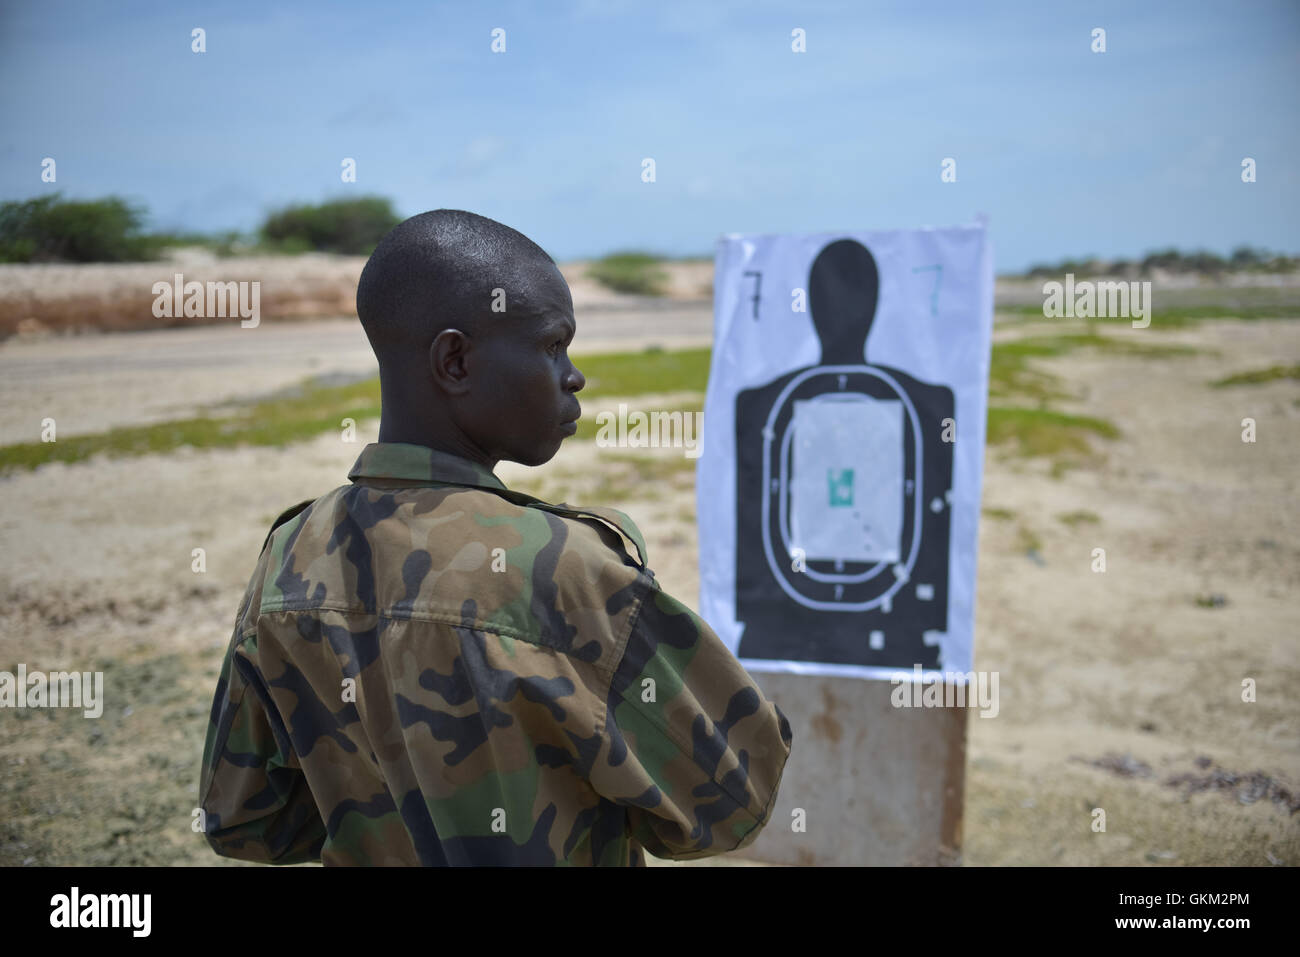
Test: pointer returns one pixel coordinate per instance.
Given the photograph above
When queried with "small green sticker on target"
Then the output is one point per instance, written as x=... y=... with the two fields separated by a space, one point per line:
x=841 y=487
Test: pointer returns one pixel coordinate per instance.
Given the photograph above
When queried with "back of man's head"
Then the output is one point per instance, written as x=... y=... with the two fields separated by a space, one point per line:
x=440 y=269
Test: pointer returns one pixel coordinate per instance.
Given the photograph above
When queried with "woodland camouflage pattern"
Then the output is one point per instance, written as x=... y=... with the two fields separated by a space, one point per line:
x=524 y=691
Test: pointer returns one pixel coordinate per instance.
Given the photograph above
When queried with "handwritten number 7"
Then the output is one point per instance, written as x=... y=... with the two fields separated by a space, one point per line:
x=938 y=281
x=758 y=282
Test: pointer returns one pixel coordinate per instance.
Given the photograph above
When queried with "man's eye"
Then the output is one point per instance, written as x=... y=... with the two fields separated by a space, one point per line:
x=555 y=346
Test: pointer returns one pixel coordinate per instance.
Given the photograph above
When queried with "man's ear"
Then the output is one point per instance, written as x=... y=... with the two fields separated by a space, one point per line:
x=449 y=361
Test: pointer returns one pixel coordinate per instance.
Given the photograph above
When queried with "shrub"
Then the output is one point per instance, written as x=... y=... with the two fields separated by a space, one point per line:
x=48 y=229
x=348 y=226
x=633 y=272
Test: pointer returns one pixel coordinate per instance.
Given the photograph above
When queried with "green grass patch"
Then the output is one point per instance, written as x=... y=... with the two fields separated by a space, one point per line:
x=1259 y=376
x=1174 y=316
x=1186 y=315
x=642 y=373
x=631 y=272
x=1080 y=517
x=1027 y=541
x=1031 y=346
x=589 y=428
x=1044 y=432
x=1000 y=514
x=1012 y=376
x=302 y=414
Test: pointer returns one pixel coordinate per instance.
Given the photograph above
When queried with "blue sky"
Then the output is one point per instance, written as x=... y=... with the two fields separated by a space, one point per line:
x=1069 y=152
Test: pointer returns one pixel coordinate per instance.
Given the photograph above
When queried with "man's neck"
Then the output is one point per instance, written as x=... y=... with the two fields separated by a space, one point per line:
x=456 y=445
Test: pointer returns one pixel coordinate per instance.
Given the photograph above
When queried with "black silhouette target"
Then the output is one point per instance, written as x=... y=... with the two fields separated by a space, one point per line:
x=843 y=494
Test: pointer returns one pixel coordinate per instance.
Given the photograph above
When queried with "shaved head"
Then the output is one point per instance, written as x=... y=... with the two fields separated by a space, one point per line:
x=470 y=321
x=439 y=269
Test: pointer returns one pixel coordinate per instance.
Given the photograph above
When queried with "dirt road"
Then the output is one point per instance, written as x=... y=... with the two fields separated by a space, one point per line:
x=90 y=383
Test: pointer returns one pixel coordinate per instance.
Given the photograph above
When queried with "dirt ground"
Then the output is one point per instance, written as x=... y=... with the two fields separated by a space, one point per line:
x=1140 y=668
x=1120 y=690
x=46 y=298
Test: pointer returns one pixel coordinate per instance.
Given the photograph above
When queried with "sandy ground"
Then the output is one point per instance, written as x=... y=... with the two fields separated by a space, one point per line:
x=1125 y=666
x=1113 y=684
x=49 y=298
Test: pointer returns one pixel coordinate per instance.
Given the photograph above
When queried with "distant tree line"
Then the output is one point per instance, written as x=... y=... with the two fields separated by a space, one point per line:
x=630 y=271
x=1241 y=259
x=49 y=229
x=352 y=227
x=52 y=229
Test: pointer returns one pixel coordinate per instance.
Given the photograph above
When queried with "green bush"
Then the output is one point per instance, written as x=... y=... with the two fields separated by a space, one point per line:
x=348 y=226
x=48 y=229
x=1243 y=259
x=634 y=272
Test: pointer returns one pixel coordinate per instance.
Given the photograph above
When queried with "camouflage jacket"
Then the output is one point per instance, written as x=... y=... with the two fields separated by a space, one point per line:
x=430 y=668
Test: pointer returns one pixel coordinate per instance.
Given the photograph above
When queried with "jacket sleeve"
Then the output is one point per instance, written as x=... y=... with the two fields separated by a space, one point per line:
x=255 y=801
x=690 y=745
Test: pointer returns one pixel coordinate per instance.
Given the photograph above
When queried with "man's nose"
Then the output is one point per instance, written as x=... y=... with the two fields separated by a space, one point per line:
x=577 y=381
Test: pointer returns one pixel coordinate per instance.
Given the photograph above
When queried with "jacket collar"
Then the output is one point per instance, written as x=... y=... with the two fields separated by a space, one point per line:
x=389 y=464
x=384 y=463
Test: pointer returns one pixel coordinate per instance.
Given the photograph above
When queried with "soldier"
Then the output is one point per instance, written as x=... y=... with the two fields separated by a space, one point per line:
x=430 y=668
